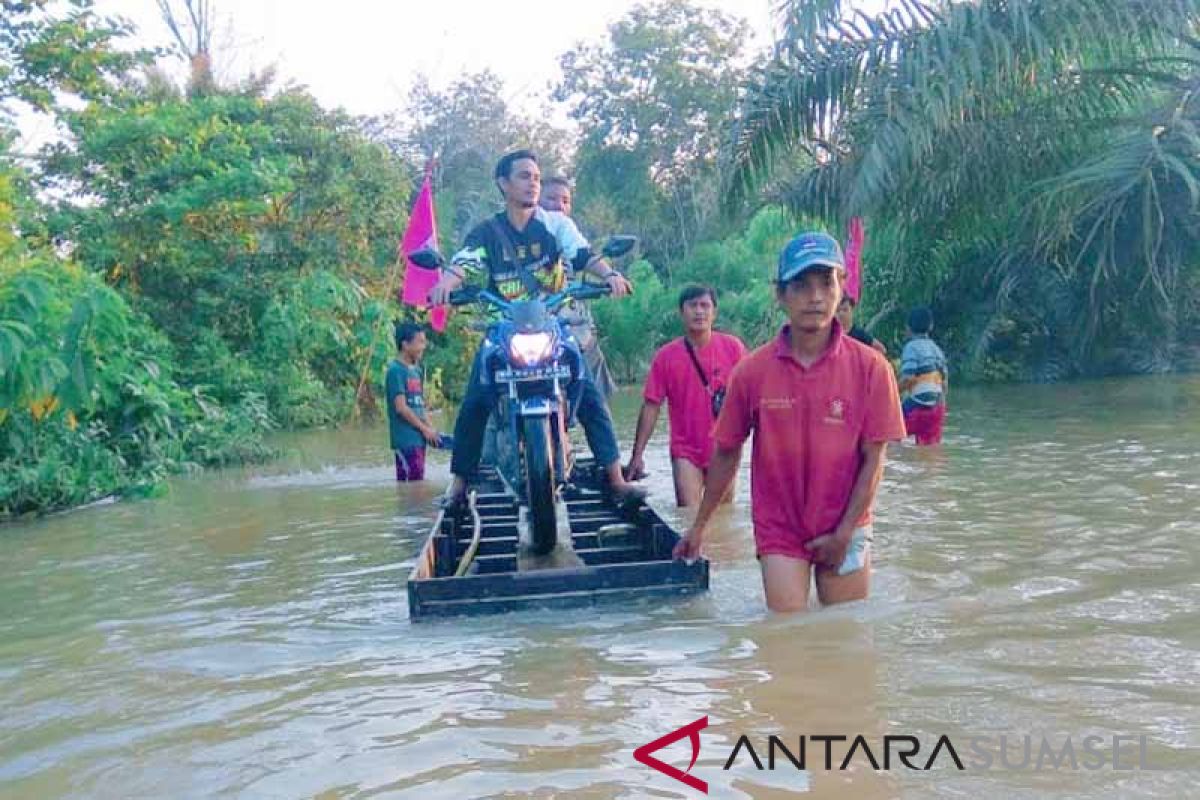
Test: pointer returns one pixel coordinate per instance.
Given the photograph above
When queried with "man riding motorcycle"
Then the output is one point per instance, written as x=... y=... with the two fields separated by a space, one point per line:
x=521 y=250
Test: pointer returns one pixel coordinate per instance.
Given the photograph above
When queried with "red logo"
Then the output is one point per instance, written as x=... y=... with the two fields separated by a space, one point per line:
x=692 y=731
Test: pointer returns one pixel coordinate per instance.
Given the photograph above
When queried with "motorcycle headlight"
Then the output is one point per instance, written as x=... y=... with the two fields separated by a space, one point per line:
x=530 y=349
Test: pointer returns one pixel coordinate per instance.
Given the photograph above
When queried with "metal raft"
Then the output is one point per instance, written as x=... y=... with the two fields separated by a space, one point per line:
x=474 y=561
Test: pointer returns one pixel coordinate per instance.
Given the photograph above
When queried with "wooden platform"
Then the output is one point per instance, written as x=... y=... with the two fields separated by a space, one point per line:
x=606 y=554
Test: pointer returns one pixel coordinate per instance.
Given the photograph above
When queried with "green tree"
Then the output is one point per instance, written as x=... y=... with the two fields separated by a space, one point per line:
x=630 y=328
x=1033 y=163
x=739 y=267
x=231 y=252
x=89 y=404
x=211 y=211
x=653 y=102
x=47 y=51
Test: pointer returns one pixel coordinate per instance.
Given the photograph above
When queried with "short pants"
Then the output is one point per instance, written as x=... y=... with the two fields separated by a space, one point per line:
x=410 y=464
x=925 y=423
x=856 y=553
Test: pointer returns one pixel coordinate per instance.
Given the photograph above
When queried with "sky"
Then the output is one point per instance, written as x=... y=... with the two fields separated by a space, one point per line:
x=364 y=55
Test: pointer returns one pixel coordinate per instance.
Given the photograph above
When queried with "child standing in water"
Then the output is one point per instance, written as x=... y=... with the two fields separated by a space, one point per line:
x=845 y=318
x=923 y=380
x=410 y=432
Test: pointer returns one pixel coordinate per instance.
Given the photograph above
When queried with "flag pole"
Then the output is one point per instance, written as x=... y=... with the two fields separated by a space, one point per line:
x=359 y=397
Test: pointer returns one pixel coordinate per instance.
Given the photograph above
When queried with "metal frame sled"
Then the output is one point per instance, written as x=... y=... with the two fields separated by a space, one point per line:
x=474 y=562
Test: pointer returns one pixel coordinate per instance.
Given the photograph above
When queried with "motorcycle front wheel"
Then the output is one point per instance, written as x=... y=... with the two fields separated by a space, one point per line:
x=539 y=483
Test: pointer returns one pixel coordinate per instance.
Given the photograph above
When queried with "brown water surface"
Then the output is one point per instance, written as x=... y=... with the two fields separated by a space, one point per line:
x=248 y=635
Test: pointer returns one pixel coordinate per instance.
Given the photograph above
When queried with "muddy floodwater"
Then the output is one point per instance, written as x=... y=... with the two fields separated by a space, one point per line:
x=248 y=635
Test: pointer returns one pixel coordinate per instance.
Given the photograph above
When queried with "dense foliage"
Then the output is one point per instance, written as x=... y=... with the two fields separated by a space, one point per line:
x=231 y=258
x=652 y=101
x=191 y=266
x=89 y=402
x=253 y=231
x=1032 y=163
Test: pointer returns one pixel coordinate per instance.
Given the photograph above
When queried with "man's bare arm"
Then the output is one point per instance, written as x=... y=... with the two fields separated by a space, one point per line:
x=647 y=421
x=722 y=469
x=412 y=418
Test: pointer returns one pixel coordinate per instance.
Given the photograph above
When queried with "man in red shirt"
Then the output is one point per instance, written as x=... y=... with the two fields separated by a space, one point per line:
x=822 y=408
x=690 y=374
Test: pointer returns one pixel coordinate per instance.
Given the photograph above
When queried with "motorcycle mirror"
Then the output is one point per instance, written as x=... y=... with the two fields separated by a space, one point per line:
x=426 y=257
x=618 y=246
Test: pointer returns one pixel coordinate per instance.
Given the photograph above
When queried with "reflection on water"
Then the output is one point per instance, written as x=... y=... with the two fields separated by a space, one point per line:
x=249 y=635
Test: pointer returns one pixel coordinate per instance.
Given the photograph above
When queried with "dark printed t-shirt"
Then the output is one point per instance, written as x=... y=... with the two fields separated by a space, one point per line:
x=498 y=250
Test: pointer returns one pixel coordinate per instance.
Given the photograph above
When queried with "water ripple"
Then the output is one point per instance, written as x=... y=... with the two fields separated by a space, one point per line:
x=248 y=636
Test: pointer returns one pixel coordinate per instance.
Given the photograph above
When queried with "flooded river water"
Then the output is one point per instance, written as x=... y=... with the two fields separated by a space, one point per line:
x=248 y=635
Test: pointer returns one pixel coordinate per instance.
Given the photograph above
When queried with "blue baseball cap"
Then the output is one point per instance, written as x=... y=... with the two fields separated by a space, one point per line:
x=809 y=250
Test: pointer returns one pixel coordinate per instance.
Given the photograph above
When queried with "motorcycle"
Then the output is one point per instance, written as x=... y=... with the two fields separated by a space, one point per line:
x=533 y=361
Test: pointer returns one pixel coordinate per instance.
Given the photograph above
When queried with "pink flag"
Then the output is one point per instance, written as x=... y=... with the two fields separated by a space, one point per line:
x=422 y=232
x=854 y=248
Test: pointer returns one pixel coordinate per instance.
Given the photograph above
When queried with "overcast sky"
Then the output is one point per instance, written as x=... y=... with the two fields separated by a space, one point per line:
x=364 y=54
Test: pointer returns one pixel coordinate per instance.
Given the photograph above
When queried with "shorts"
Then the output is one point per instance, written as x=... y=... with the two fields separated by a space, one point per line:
x=410 y=464
x=695 y=454
x=856 y=553
x=925 y=423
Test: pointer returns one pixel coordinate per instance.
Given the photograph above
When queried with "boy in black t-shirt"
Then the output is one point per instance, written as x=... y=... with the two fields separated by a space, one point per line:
x=845 y=317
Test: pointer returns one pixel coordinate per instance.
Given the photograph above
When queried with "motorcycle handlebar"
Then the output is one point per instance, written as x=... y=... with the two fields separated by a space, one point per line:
x=588 y=292
x=579 y=291
x=463 y=297
x=473 y=294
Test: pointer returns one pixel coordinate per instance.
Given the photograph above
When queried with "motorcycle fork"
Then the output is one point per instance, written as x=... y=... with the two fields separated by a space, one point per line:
x=563 y=455
x=560 y=439
x=510 y=457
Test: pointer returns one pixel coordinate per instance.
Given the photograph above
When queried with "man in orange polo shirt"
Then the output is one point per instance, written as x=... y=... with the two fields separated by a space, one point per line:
x=822 y=408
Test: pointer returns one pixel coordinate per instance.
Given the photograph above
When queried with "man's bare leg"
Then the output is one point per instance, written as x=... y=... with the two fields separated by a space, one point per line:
x=728 y=498
x=833 y=588
x=785 y=582
x=689 y=483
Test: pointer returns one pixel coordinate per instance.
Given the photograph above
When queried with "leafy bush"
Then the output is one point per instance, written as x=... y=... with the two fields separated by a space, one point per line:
x=740 y=267
x=88 y=404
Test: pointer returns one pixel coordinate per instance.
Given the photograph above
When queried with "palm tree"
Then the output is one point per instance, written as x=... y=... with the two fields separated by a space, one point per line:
x=1049 y=149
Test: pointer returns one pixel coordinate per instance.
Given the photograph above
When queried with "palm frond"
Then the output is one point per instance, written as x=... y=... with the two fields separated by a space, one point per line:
x=927 y=68
x=1125 y=204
